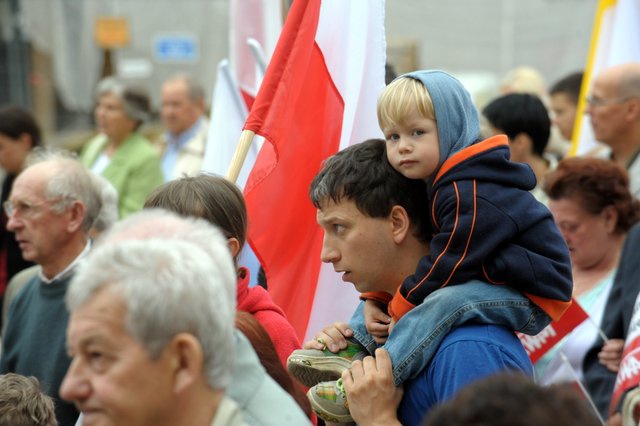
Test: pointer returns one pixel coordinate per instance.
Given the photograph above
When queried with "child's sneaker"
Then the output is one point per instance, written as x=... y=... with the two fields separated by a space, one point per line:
x=311 y=366
x=329 y=402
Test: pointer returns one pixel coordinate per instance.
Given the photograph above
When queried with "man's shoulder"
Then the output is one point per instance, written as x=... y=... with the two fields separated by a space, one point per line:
x=228 y=413
x=473 y=351
x=468 y=353
x=256 y=393
x=482 y=337
x=36 y=297
x=27 y=289
x=198 y=138
x=480 y=333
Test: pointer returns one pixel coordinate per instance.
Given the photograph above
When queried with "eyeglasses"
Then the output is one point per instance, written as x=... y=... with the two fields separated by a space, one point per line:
x=596 y=102
x=22 y=208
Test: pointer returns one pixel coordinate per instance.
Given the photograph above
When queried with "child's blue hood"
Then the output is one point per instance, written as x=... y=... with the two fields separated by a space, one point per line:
x=456 y=115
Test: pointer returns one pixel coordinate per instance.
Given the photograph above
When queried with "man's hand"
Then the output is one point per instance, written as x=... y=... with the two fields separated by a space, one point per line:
x=333 y=337
x=376 y=321
x=611 y=354
x=372 y=395
x=615 y=420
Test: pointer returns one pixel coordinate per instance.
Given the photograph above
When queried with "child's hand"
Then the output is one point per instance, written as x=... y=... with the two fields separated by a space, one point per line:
x=332 y=337
x=611 y=354
x=392 y=324
x=376 y=321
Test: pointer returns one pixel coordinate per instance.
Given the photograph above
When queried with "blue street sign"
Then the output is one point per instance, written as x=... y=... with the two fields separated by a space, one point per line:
x=176 y=48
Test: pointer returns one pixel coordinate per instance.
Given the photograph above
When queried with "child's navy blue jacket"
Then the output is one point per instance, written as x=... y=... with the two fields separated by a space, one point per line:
x=490 y=227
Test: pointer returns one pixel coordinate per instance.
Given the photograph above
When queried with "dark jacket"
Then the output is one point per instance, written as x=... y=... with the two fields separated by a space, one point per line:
x=490 y=227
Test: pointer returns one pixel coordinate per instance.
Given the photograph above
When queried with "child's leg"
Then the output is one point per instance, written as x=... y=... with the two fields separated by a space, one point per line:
x=311 y=366
x=415 y=338
x=360 y=332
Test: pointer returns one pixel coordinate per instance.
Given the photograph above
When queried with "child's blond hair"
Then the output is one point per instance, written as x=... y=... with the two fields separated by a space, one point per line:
x=400 y=98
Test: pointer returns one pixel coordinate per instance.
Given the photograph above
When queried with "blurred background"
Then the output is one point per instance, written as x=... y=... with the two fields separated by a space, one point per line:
x=53 y=52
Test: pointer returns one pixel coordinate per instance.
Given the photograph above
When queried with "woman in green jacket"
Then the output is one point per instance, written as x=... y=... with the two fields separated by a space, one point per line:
x=119 y=153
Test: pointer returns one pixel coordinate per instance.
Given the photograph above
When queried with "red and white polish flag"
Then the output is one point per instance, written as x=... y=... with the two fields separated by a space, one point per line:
x=538 y=345
x=318 y=96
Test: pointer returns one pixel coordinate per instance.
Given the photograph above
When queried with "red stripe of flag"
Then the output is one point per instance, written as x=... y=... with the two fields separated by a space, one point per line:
x=299 y=111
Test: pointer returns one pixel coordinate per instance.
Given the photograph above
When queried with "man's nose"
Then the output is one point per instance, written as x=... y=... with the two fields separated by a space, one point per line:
x=74 y=387
x=13 y=224
x=328 y=254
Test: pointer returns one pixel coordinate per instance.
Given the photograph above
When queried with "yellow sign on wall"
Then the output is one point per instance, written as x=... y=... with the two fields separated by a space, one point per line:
x=112 y=32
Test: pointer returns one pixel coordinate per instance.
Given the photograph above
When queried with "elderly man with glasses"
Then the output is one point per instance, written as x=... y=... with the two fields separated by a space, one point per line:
x=614 y=108
x=52 y=206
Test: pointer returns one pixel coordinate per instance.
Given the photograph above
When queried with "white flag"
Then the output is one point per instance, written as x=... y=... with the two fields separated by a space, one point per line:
x=615 y=40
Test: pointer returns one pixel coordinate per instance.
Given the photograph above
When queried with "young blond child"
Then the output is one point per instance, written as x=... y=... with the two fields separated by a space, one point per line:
x=488 y=225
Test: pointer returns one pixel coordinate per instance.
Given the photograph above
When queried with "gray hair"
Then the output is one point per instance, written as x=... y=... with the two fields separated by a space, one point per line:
x=175 y=275
x=135 y=100
x=109 y=195
x=194 y=87
x=70 y=182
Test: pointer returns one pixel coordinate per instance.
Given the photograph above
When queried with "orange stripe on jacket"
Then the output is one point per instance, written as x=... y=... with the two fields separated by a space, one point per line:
x=466 y=247
x=465 y=154
x=379 y=296
x=455 y=226
x=433 y=211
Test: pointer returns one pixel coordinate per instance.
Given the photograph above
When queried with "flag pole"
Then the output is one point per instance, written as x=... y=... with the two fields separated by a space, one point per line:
x=258 y=54
x=600 y=332
x=586 y=78
x=239 y=156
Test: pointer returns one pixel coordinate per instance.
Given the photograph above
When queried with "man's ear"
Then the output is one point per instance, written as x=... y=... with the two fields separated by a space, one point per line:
x=234 y=246
x=186 y=361
x=25 y=138
x=521 y=145
x=633 y=109
x=77 y=212
x=400 y=223
x=610 y=215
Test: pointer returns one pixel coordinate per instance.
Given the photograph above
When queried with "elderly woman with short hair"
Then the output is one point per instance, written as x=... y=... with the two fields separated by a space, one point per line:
x=119 y=152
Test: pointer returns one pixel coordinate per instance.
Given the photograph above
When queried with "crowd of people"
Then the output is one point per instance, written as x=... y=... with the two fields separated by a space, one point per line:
x=124 y=301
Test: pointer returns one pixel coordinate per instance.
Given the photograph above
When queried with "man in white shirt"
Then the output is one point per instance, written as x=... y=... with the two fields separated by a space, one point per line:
x=614 y=107
x=183 y=114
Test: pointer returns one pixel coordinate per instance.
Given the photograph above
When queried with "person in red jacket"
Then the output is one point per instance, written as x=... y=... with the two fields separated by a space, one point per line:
x=221 y=203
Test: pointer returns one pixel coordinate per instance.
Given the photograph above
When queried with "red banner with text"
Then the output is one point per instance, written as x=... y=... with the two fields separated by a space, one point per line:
x=536 y=346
